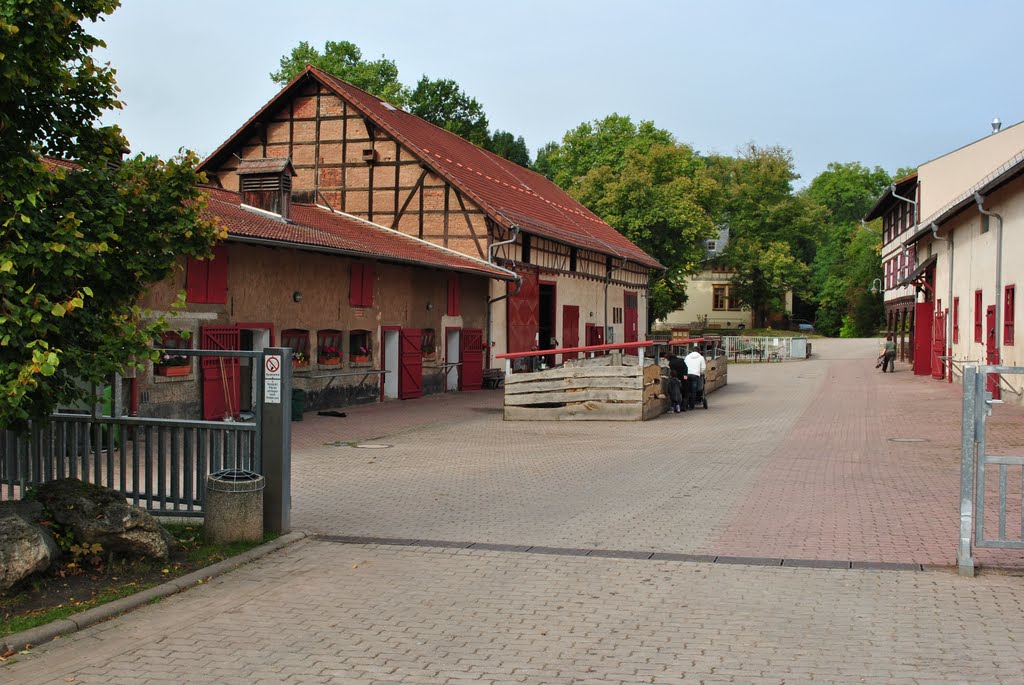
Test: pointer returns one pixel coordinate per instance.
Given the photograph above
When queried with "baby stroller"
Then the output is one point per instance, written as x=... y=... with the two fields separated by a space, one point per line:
x=697 y=394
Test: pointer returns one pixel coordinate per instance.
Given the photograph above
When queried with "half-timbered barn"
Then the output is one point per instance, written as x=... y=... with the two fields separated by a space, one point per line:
x=578 y=281
x=370 y=313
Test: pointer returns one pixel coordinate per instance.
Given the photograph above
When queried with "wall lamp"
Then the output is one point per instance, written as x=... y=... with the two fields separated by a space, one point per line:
x=876 y=286
x=296 y=296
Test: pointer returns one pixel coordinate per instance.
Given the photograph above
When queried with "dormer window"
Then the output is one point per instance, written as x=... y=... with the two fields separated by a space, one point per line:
x=266 y=183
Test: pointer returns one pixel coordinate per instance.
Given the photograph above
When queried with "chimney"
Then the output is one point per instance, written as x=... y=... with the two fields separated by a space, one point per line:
x=996 y=125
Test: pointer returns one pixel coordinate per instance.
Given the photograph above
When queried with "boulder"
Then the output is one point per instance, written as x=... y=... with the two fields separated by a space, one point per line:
x=25 y=546
x=96 y=514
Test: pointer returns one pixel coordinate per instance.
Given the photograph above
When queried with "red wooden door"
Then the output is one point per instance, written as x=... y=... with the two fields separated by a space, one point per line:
x=630 y=318
x=923 y=312
x=938 y=345
x=595 y=336
x=991 y=352
x=410 y=363
x=221 y=386
x=523 y=315
x=570 y=329
x=471 y=354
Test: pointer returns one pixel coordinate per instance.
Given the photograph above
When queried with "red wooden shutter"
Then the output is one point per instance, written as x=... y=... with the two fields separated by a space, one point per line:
x=217 y=277
x=956 y=320
x=368 y=278
x=195 y=280
x=355 y=285
x=453 y=295
x=1008 y=308
x=977 y=316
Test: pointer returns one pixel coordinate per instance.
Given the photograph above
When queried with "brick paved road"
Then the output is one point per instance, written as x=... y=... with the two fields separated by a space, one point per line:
x=792 y=461
x=322 y=612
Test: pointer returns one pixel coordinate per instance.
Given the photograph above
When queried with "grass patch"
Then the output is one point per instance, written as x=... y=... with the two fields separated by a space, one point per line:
x=70 y=588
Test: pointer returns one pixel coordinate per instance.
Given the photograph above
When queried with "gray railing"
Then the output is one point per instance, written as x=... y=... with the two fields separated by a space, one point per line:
x=975 y=459
x=764 y=348
x=160 y=464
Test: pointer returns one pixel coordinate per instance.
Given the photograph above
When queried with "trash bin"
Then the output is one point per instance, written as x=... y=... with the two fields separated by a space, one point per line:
x=298 y=403
x=234 y=506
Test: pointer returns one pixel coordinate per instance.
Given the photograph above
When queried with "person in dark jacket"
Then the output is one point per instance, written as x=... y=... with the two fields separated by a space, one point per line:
x=678 y=365
x=675 y=391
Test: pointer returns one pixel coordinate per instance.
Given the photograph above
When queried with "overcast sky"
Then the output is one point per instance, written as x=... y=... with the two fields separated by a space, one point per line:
x=883 y=83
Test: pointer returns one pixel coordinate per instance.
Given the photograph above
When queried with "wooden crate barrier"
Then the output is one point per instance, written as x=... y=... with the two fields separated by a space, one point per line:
x=611 y=388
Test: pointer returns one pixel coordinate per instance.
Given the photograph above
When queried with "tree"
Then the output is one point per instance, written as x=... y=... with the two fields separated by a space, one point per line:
x=78 y=247
x=655 y=191
x=849 y=257
x=774 y=232
x=443 y=103
x=345 y=60
x=504 y=144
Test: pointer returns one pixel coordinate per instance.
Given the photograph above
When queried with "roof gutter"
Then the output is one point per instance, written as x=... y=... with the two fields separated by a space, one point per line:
x=979 y=199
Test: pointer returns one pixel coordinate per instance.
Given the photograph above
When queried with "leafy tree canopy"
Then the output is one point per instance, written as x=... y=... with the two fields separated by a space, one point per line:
x=505 y=144
x=444 y=103
x=78 y=248
x=848 y=190
x=655 y=191
x=345 y=60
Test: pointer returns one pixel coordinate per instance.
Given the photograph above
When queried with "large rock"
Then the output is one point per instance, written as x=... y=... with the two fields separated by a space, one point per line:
x=25 y=547
x=98 y=515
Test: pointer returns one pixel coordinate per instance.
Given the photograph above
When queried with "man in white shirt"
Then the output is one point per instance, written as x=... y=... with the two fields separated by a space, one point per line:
x=695 y=367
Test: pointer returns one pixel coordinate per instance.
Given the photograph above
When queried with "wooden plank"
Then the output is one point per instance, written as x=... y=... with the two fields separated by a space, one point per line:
x=578 y=384
x=596 y=395
x=589 y=411
x=569 y=372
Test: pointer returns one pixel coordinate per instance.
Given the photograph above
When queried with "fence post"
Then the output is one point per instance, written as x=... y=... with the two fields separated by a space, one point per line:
x=276 y=438
x=965 y=561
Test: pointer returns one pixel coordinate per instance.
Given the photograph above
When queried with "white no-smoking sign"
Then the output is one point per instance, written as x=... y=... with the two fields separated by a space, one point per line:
x=272 y=379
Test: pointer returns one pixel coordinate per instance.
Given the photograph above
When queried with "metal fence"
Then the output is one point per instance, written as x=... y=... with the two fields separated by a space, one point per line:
x=1005 y=494
x=764 y=348
x=160 y=464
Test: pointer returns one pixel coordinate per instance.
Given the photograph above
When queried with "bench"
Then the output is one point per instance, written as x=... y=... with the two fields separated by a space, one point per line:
x=494 y=378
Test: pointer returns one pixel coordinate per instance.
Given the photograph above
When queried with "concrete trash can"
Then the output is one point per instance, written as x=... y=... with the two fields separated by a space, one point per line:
x=298 y=403
x=234 y=506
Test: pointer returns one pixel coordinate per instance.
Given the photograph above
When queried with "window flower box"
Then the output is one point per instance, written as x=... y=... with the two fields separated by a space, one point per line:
x=360 y=359
x=329 y=361
x=173 y=370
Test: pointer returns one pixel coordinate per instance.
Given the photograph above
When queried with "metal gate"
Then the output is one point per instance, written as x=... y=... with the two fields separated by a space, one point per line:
x=976 y=520
x=159 y=464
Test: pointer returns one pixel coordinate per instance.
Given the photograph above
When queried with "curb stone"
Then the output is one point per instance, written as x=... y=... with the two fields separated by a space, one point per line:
x=34 y=637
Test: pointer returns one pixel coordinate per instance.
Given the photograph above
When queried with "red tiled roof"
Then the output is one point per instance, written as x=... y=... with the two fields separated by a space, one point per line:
x=54 y=163
x=315 y=227
x=502 y=188
x=509 y=193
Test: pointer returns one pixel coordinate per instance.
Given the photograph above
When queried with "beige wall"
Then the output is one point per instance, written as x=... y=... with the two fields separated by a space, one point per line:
x=945 y=178
x=974 y=269
x=700 y=303
x=571 y=290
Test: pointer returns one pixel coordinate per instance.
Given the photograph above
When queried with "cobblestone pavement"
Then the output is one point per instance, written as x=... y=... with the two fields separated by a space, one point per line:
x=321 y=612
x=792 y=461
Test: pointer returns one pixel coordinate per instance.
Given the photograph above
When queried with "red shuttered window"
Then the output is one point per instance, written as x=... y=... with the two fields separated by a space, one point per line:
x=956 y=320
x=1009 y=295
x=977 y=316
x=361 y=285
x=206 y=280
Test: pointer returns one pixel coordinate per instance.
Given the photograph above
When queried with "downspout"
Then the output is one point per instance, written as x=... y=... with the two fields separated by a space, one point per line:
x=519 y=285
x=949 y=301
x=980 y=200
